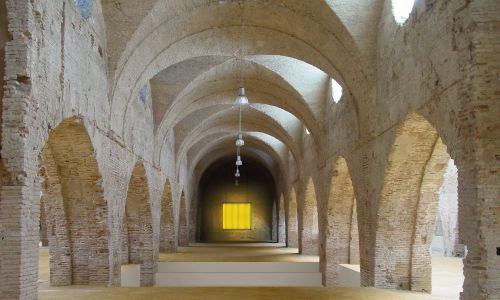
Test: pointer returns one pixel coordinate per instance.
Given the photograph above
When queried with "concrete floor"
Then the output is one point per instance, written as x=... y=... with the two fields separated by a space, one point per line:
x=221 y=252
x=446 y=278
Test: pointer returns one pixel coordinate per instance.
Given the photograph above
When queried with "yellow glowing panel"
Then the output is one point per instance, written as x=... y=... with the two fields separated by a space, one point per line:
x=237 y=216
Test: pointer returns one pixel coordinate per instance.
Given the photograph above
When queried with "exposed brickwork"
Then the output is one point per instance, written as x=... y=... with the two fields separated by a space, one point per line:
x=274 y=222
x=79 y=210
x=443 y=64
x=282 y=221
x=182 y=234
x=292 y=233
x=167 y=225
x=341 y=224
x=138 y=227
x=426 y=212
x=308 y=234
x=399 y=203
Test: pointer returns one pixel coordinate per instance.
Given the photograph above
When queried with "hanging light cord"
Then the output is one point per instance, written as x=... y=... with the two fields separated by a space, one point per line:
x=242 y=31
x=242 y=85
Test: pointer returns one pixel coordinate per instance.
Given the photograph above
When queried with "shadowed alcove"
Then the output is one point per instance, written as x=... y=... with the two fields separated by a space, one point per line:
x=218 y=187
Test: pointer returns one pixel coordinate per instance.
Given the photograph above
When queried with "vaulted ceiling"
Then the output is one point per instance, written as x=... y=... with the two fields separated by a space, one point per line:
x=191 y=54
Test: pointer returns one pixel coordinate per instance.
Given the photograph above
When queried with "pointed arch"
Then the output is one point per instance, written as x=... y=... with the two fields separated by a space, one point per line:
x=293 y=223
x=408 y=206
x=183 y=238
x=137 y=226
x=167 y=222
x=309 y=229
x=75 y=209
x=341 y=235
x=281 y=221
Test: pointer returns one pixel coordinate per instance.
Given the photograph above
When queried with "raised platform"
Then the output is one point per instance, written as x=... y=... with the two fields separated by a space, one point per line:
x=247 y=274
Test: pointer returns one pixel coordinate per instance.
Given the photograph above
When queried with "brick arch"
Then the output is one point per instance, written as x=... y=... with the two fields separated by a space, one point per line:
x=74 y=206
x=281 y=221
x=183 y=238
x=167 y=221
x=341 y=234
x=137 y=228
x=309 y=228
x=408 y=206
x=293 y=223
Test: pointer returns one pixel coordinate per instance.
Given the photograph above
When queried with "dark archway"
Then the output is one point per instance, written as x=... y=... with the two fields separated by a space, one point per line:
x=217 y=186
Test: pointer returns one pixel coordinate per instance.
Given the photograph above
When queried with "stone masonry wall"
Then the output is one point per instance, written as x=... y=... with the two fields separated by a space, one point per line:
x=440 y=67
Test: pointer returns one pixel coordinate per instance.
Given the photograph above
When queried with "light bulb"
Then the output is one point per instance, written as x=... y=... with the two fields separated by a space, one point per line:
x=238 y=161
x=242 y=98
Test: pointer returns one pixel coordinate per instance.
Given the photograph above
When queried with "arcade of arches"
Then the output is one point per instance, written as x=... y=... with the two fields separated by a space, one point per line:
x=372 y=143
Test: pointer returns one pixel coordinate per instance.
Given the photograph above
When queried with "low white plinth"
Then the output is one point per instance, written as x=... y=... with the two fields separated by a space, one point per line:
x=238 y=274
x=349 y=276
x=131 y=275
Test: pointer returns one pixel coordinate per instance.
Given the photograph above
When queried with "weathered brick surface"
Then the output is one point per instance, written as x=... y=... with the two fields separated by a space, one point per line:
x=72 y=170
x=281 y=220
x=182 y=233
x=440 y=67
x=292 y=234
x=308 y=233
x=138 y=228
x=167 y=225
x=341 y=242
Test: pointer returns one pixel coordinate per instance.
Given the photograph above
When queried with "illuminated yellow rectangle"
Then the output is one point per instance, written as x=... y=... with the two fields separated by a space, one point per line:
x=237 y=216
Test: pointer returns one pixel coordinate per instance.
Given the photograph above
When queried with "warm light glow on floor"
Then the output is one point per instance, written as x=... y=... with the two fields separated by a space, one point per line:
x=237 y=216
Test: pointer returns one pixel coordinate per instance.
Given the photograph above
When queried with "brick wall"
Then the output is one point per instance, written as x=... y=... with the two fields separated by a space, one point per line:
x=167 y=227
x=443 y=64
x=292 y=221
x=308 y=233
x=339 y=224
x=138 y=227
x=281 y=220
x=182 y=234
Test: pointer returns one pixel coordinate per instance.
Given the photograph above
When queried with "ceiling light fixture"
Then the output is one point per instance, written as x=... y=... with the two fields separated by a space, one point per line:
x=241 y=101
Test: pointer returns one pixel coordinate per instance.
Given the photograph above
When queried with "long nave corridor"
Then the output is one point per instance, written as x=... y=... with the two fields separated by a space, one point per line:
x=250 y=149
